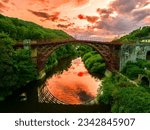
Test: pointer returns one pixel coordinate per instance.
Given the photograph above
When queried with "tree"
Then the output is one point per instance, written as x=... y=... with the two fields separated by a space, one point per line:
x=24 y=66
x=131 y=100
x=135 y=35
x=16 y=67
x=8 y=75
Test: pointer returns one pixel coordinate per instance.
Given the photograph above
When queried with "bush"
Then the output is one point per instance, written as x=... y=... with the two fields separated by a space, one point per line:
x=131 y=100
x=132 y=70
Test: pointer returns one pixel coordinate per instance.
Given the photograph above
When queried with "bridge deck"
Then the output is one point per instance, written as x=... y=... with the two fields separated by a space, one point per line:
x=43 y=43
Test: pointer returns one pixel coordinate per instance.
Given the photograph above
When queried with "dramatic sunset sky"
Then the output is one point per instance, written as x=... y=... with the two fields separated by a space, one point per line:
x=101 y=19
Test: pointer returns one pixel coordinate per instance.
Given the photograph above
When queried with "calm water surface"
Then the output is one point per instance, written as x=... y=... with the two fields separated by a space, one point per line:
x=75 y=85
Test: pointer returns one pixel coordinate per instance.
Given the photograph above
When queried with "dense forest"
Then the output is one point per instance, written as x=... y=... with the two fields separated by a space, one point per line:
x=124 y=95
x=19 y=30
x=93 y=61
x=136 y=35
x=16 y=66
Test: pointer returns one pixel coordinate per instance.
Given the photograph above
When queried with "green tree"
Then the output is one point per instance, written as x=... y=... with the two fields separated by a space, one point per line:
x=131 y=100
x=25 y=68
x=16 y=67
x=7 y=73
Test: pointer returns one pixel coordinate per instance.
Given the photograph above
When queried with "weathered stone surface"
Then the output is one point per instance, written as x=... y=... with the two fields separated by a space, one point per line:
x=133 y=52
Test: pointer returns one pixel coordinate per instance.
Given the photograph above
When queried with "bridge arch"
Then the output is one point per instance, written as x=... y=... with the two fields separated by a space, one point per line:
x=109 y=52
x=45 y=96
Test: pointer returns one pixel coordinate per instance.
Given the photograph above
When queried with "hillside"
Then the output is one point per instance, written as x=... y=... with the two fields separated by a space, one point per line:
x=135 y=35
x=16 y=66
x=19 y=30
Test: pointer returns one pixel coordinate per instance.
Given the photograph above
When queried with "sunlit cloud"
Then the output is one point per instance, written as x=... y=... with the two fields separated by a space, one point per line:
x=104 y=19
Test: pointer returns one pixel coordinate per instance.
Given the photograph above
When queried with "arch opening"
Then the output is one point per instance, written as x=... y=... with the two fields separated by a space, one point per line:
x=104 y=58
x=148 y=55
x=76 y=80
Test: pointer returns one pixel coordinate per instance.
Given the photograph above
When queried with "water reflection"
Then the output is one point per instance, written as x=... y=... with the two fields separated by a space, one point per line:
x=74 y=86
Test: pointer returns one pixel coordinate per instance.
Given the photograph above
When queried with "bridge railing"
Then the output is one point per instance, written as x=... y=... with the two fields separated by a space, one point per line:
x=48 y=42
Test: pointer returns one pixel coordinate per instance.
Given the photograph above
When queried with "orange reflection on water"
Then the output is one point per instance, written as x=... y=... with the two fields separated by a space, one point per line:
x=74 y=86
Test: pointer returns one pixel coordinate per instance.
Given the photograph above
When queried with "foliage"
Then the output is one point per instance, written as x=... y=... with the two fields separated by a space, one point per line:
x=123 y=96
x=16 y=67
x=20 y=30
x=132 y=70
x=24 y=66
x=64 y=52
x=88 y=55
x=7 y=73
x=92 y=60
x=135 y=35
x=106 y=91
x=131 y=100
x=94 y=63
x=83 y=49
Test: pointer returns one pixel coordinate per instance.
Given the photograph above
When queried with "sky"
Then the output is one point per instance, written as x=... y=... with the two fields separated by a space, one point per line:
x=84 y=19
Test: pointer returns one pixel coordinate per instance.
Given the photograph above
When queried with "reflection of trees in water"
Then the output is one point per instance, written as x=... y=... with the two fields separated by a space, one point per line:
x=61 y=59
x=71 y=88
x=83 y=65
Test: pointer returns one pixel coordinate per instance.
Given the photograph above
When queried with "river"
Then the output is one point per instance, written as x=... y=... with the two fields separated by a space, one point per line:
x=74 y=85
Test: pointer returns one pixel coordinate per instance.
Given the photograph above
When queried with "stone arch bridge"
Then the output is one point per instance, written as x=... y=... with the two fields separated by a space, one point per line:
x=41 y=51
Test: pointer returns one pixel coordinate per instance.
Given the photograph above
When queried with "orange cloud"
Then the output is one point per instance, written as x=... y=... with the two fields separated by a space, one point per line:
x=53 y=4
x=106 y=18
x=81 y=2
x=2 y=7
x=65 y=25
x=5 y=1
x=90 y=19
x=53 y=17
x=147 y=19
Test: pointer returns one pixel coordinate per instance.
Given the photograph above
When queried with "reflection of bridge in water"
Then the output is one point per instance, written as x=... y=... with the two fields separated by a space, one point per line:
x=42 y=49
x=45 y=96
x=114 y=55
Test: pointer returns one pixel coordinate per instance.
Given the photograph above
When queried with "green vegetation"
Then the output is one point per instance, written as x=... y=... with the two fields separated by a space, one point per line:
x=66 y=52
x=133 y=69
x=131 y=100
x=138 y=71
x=135 y=35
x=128 y=92
x=16 y=66
x=19 y=30
x=123 y=95
x=92 y=60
